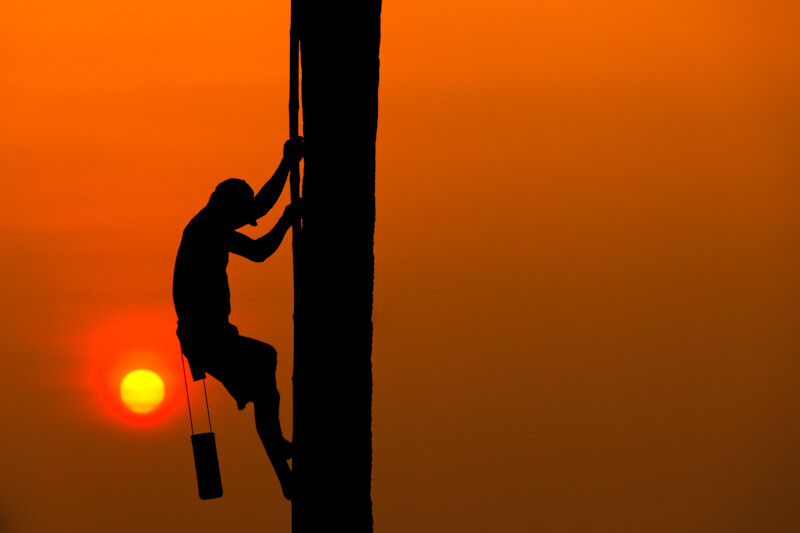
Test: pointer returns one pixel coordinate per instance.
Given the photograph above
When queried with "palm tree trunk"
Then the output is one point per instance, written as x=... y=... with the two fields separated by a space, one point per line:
x=333 y=315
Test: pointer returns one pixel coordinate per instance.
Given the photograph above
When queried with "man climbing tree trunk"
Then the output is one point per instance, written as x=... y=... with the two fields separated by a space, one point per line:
x=333 y=371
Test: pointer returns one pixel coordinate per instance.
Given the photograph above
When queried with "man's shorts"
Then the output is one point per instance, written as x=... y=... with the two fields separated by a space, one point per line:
x=244 y=366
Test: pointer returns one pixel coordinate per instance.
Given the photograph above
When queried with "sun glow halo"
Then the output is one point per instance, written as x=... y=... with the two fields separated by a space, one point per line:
x=142 y=390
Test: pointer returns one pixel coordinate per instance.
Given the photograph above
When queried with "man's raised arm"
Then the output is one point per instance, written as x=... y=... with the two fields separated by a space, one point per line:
x=271 y=191
x=259 y=249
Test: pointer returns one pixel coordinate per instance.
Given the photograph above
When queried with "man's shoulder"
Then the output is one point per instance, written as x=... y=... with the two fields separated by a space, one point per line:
x=199 y=222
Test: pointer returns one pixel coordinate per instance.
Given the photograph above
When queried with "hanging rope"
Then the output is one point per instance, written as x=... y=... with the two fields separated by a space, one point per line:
x=186 y=384
x=204 y=449
x=189 y=404
x=294 y=134
x=294 y=190
x=205 y=393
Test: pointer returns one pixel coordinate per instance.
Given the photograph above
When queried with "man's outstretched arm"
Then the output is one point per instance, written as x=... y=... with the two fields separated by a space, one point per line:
x=259 y=249
x=271 y=191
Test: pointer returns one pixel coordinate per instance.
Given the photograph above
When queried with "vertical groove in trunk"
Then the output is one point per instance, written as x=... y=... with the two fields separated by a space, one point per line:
x=333 y=369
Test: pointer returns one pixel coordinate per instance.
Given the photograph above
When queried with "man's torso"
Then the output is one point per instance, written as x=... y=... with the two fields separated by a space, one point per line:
x=200 y=284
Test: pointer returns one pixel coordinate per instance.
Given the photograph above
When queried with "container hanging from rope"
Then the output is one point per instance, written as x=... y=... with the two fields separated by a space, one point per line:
x=206 y=465
x=204 y=448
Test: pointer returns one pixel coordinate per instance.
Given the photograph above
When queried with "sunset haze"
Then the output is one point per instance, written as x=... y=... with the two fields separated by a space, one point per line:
x=586 y=263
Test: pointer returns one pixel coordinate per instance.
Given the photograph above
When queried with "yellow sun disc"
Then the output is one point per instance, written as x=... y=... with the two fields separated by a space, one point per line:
x=142 y=390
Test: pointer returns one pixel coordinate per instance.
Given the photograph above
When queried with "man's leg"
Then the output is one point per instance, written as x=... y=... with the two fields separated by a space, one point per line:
x=278 y=449
x=247 y=370
x=266 y=404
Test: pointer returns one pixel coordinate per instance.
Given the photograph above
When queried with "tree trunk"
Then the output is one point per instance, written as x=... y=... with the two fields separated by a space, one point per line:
x=333 y=370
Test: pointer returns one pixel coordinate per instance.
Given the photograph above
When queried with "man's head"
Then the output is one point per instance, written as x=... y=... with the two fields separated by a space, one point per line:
x=233 y=201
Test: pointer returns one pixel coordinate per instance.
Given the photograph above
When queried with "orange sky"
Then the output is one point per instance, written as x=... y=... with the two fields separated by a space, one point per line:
x=586 y=255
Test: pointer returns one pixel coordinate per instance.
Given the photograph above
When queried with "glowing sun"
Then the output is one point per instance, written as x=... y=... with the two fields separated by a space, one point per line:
x=142 y=390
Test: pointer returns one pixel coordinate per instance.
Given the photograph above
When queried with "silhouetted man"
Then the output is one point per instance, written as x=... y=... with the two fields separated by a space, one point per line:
x=246 y=367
